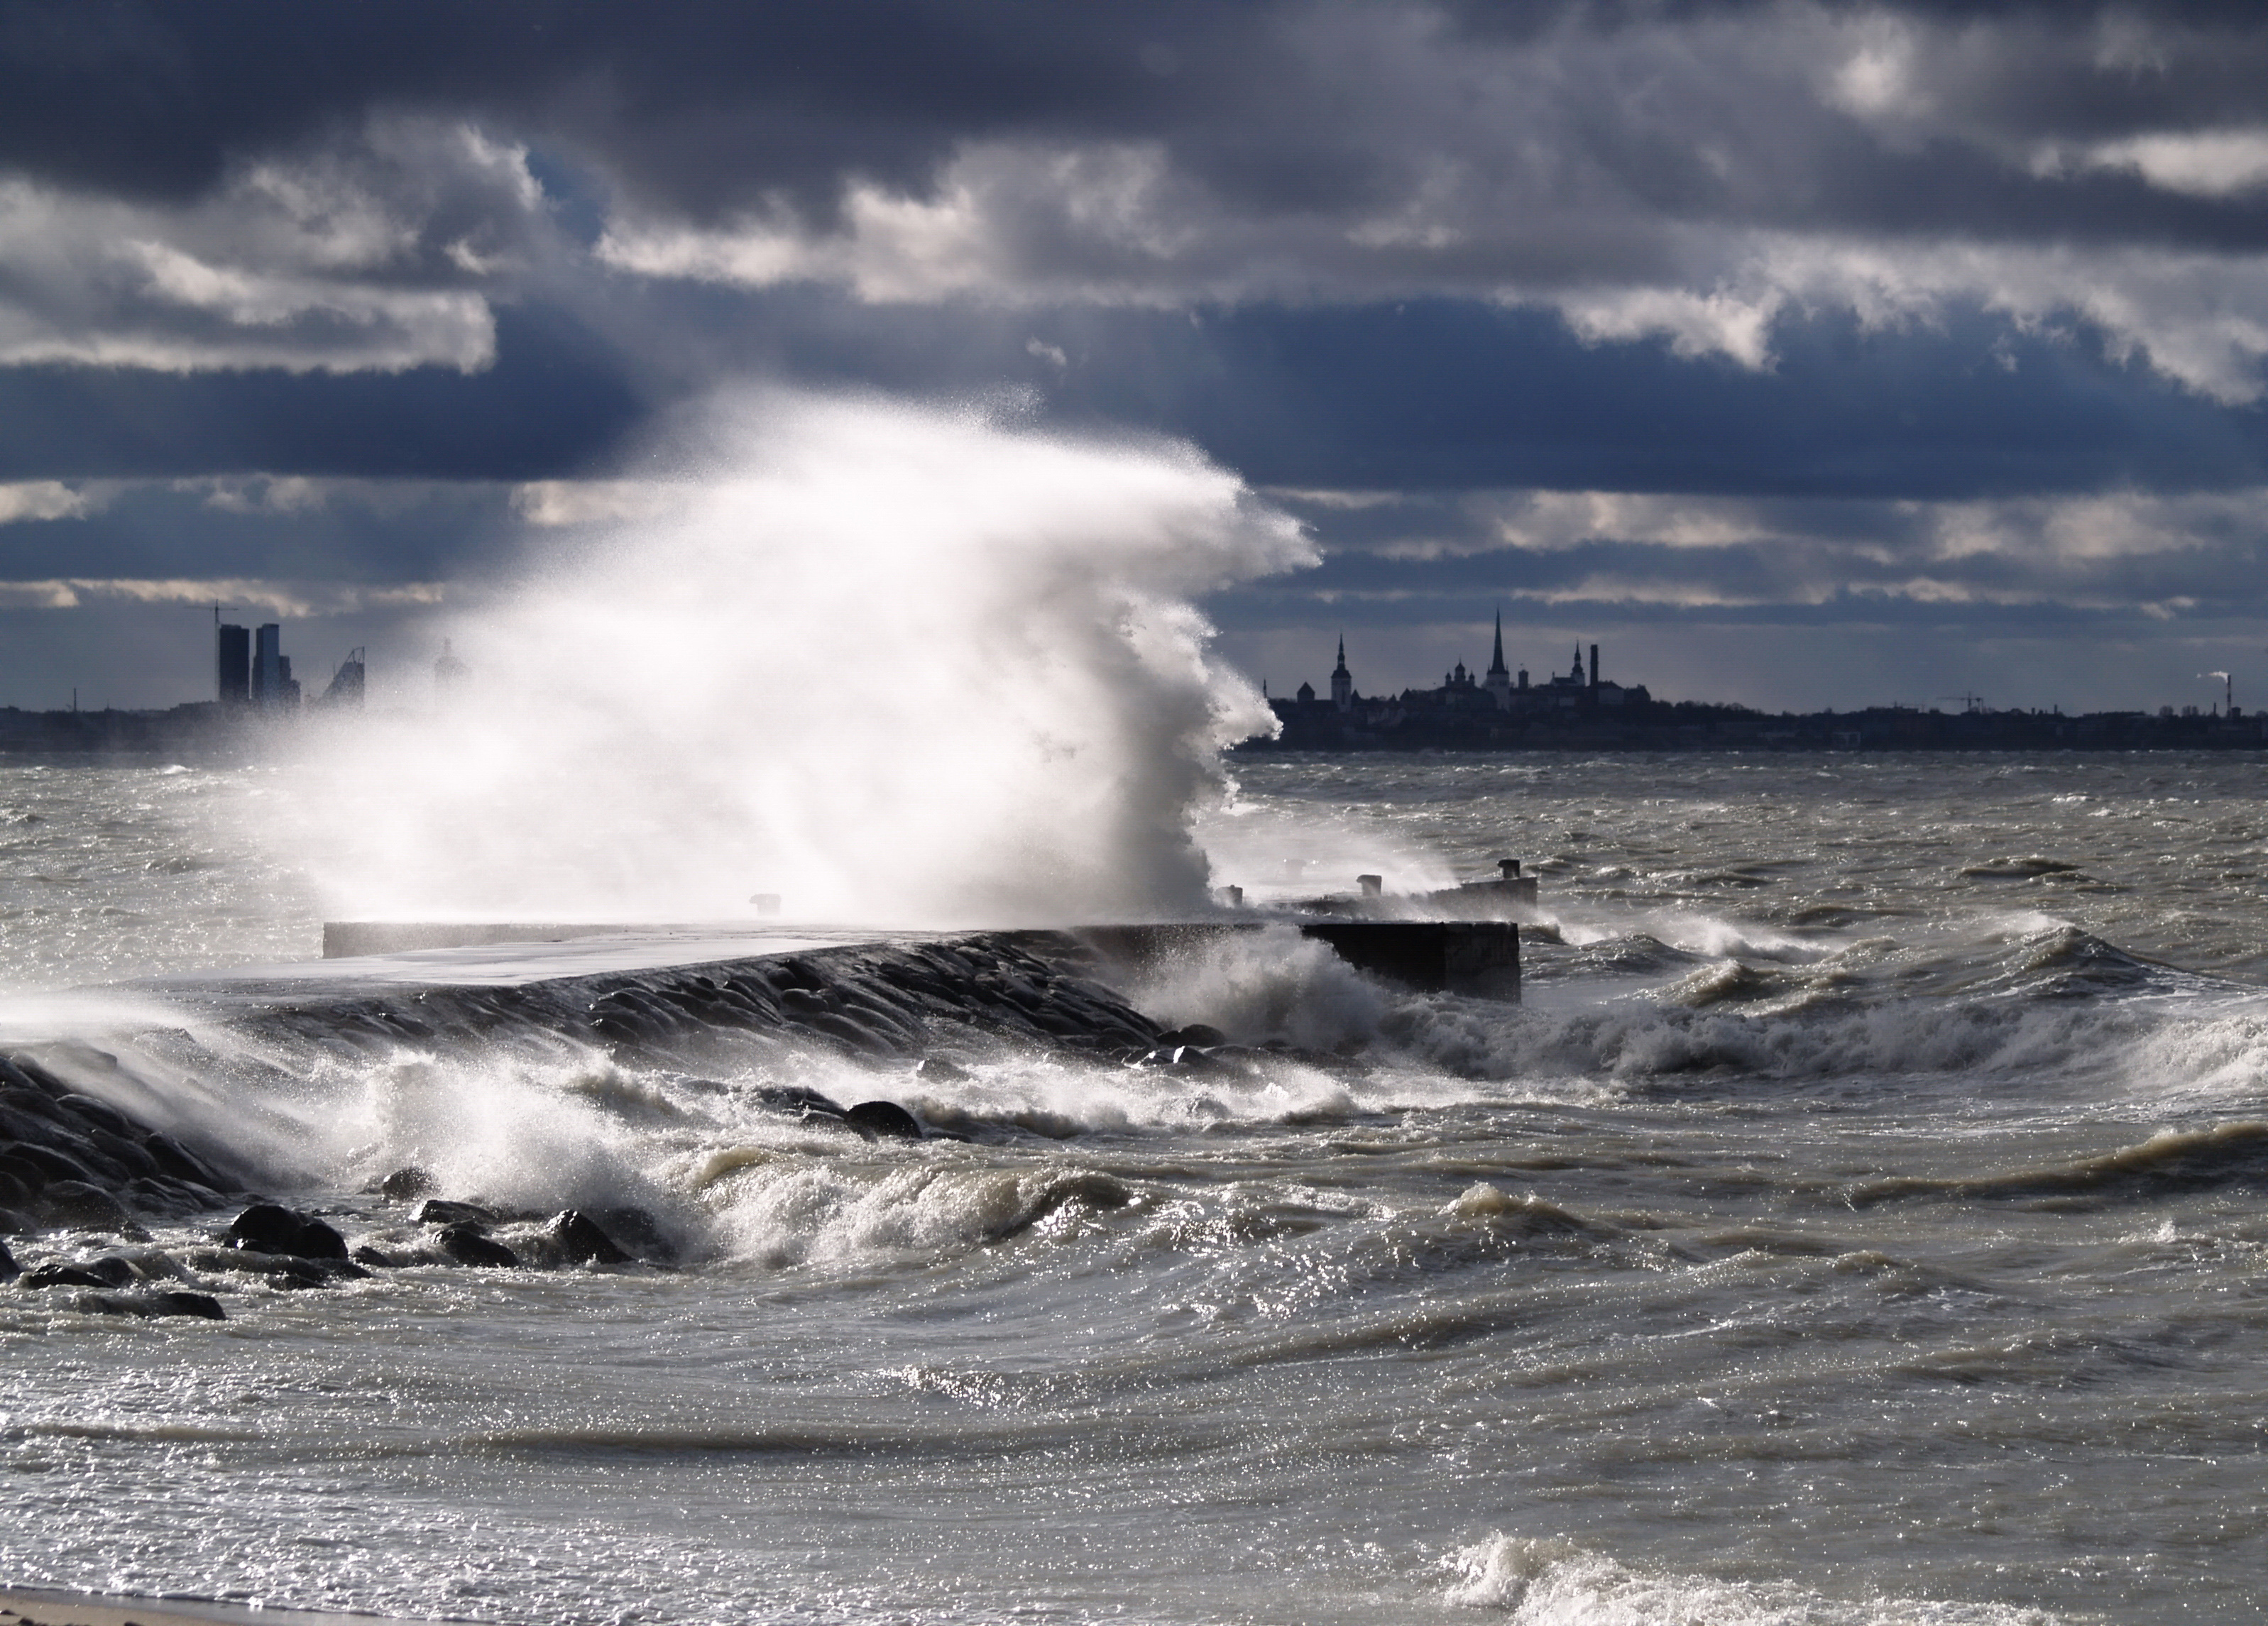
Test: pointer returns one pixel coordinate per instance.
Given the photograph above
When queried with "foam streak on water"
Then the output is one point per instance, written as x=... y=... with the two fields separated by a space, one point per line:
x=1860 y=1223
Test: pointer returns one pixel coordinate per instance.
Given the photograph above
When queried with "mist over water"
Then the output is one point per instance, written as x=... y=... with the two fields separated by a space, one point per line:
x=896 y=664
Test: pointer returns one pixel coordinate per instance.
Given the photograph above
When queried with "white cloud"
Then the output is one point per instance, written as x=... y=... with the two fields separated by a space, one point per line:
x=281 y=598
x=1018 y=223
x=330 y=262
x=2212 y=164
x=50 y=499
x=2048 y=530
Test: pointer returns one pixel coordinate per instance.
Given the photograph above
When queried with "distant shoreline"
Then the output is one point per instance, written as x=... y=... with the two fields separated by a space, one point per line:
x=1687 y=725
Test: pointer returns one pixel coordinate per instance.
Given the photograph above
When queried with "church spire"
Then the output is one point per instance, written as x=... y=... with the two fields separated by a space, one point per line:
x=1499 y=682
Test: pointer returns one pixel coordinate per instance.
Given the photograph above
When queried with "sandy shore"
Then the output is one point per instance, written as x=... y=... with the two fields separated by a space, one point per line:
x=35 y=1607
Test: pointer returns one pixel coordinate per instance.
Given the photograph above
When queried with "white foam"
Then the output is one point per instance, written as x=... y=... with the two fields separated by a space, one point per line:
x=1556 y=1583
x=892 y=664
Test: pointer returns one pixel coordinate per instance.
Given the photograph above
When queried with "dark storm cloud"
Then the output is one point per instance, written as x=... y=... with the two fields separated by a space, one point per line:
x=556 y=400
x=1924 y=314
x=704 y=105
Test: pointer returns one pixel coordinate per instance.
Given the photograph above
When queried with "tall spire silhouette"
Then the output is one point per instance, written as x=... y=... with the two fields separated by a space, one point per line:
x=1496 y=662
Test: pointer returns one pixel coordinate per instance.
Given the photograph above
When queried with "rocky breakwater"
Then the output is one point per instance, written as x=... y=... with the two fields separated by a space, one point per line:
x=84 y=1181
x=69 y=1159
x=878 y=1001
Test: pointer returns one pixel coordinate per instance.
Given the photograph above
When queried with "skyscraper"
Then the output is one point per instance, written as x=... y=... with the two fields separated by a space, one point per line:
x=267 y=668
x=233 y=647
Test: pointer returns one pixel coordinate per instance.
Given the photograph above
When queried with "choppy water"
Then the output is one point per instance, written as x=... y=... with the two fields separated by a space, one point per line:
x=1860 y=1221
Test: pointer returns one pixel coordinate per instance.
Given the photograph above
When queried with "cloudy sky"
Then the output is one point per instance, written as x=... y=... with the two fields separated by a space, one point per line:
x=1798 y=354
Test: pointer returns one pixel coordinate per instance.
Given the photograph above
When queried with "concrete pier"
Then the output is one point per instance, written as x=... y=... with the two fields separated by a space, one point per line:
x=1479 y=957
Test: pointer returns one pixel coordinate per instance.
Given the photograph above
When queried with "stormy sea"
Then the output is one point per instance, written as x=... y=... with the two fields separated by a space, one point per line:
x=1858 y=1219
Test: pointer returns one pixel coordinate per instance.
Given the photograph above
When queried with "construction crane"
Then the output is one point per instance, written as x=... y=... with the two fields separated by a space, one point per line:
x=1968 y=702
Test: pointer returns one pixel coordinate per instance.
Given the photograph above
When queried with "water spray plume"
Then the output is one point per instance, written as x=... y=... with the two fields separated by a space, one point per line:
x=896 y=664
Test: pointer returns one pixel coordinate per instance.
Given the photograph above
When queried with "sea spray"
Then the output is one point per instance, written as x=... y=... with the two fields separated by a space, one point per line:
x=897 y=664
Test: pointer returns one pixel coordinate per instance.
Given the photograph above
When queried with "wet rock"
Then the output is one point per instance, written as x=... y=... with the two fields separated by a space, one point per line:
x=938 y=1070
x=83 y=1206
x=14 y=1193
x=138 y=1164
x=883 y=1120
x=441 y=1212
x=406 y=1182
x=464 y=1243
x=287 y=1271
x=637 y=1230
x=99 y=1115
x=40 y=1167
x=379 y=1259
x=271 y=1228
x=161 y=1196
x=53 y=1274
x=580 y=1242
x=179 y=1162
x=8 y=1268
x=796 y=1098
x=168 y=1303
x=1197 y=1033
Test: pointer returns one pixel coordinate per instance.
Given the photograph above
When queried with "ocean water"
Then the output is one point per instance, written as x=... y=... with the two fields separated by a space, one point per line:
x=1859 y=1220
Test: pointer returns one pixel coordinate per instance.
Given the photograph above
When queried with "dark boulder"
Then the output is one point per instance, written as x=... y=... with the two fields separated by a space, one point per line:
x=858 y=1035
x=8 y=1270
x=47 y=1164
x=406 y=1182
x=287 y=1272
x=13 y=1192
x=938 y=1070
x=796 y=1098
x=580 y=1242
x=464 y=1243
x=883 y=1120
x=100 y=1114
x=271 y=1228
x=57 y=1274
x=178 y=1161
x=379 y=1259
x=168 y=1303
x=636 y=1229
x=81 y=1207
x=137 y=1163
x=1195 y=1033
x=441 y=1212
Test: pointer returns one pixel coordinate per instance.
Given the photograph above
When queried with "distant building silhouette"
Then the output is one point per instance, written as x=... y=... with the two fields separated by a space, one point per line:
x=1498 y=682
x=232 y=648
x=346 y=691
x=450 y=674
x=1467 y=704
x=273 y=686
